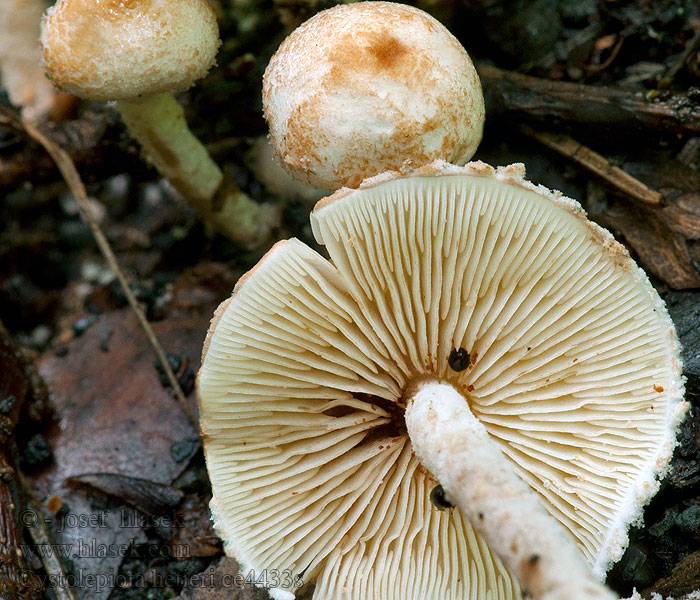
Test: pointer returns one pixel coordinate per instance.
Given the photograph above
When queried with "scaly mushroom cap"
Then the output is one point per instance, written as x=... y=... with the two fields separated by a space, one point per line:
x=120 y=49
x=574 y=369
x=363 y=88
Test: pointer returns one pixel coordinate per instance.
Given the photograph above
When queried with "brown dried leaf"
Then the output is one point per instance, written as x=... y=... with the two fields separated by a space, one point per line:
x=116 y=417
x=682 y=214
x=663 y=252
x=680 y=187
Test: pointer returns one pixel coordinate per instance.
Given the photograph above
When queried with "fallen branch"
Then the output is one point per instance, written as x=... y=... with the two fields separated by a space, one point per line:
x=691 y=48
x=17 y=582
x=530 y=98
x=594 y=162
x=72 y=178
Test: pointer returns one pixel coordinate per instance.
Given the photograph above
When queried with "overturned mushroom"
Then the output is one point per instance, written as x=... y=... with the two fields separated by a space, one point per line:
x=504 y=297
x=137 y=53
x=371 y=86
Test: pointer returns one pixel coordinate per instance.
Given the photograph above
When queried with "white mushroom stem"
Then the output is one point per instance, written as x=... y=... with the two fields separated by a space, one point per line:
x=158 y=123
x=477 y=477
x=20 y=52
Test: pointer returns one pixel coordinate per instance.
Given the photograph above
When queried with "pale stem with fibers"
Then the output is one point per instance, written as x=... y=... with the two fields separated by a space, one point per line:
x=477 y=477
x=158 y=123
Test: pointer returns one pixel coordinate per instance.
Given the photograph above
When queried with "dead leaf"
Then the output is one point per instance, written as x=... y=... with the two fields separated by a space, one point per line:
x=682 y=213
x=116 y=417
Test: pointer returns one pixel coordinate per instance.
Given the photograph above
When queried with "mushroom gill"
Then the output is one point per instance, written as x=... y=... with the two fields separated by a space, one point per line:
x=568 y=346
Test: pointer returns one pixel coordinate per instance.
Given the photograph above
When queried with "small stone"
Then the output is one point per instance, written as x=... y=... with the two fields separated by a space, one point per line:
x=82 y=325
x=37 y=453
x=689 y=519
x=7 y=404
x=183 y=449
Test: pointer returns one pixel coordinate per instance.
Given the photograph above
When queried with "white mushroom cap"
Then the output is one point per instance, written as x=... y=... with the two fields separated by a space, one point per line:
x=366 y=87
x=120 y=49
x=574 y=371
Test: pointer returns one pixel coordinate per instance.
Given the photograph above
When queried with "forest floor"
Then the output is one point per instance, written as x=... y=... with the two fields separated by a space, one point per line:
x=96 y=400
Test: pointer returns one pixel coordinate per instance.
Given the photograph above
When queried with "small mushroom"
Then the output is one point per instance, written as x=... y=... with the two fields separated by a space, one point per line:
x=549 y=440
x=137 y=52
x=22 y=77
x=266 y=167
x=363 y=88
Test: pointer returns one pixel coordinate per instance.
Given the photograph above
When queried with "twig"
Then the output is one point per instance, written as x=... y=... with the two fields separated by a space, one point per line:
x=690 y=152
x=608 y=62
x=17 y=581
x=595 y=163
x=72 y=178
x=692 y=47
x=41 y=536
x=530 y=98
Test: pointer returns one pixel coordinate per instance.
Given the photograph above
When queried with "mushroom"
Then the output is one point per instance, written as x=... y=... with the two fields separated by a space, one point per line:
x=137 y=52
x=22 y=77
x=461 y=292
x=363 y=88
x=266 y=168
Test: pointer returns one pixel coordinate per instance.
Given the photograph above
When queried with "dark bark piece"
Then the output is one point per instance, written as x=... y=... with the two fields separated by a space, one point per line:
x=661 y=251
x=680 y=186
x=678 y=218
x=16 y=581
x=81 y=138
x=684 y=579
x=684 y=473
x=684 y=308
x=149 y=497
x=530 y=98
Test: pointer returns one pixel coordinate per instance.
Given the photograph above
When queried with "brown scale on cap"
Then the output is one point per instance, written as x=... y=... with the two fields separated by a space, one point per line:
x=373 y=52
